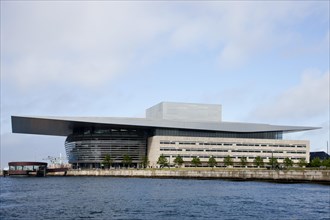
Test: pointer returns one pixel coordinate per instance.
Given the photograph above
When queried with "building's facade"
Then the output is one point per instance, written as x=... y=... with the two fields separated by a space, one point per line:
x=169 y=129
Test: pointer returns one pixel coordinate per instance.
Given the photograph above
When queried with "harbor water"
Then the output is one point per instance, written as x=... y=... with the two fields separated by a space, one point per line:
x=144 y=198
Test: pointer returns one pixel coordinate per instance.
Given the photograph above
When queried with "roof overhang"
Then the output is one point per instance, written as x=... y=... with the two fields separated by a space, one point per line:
x=63 y=126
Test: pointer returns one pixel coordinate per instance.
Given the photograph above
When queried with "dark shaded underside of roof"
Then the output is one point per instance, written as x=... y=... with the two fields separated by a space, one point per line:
x=63 y=126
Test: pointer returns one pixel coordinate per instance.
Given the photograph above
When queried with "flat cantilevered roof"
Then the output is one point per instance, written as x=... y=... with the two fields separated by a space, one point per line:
x=63 y=126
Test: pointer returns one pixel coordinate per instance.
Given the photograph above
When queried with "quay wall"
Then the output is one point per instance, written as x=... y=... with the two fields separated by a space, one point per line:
x=243 y=174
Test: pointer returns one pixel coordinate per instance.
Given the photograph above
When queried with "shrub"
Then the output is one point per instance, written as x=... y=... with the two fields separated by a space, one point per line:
x=316 y=162
x=326 y=162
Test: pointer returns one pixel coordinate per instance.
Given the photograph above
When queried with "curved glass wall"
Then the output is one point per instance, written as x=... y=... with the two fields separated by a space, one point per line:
x=87 y=147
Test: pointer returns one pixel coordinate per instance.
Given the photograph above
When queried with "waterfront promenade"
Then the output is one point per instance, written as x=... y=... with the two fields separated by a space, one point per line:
x=321 y=176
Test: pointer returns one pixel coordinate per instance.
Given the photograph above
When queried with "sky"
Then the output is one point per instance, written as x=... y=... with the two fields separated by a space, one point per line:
x=264 y=62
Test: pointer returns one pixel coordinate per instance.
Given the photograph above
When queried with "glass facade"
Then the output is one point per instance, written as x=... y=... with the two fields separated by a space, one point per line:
x=87 y=147
x=220 y=134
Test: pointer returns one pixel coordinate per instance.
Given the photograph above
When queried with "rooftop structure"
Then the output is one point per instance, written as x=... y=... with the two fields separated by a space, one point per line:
x=170 y=129
x=185 y=112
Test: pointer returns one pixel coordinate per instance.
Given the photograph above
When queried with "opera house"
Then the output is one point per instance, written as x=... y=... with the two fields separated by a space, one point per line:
x=169 y=129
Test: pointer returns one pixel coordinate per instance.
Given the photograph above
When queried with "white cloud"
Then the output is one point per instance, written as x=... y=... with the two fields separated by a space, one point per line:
x=83 y=43
x=61 y=57
x=308 y=99
x=90 y=43
x=253 y=29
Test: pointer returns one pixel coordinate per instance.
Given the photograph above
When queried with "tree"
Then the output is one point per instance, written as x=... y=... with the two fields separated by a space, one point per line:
x=196 y=161
x=107 y=161
x=162 y=161
x=243 y=161
x=127 y=160
x=316 y=162
x=258 y=161
x=288 y=162
x=228 y=161
x=326 y=162
x=302 y=162
x=273 y=162
x=212 y=162
x=178 y=160
x=145 y=162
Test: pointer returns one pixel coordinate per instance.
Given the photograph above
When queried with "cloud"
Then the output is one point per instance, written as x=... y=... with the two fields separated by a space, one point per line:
x=308 y=99
x=66 y=58
x=300 y=48
x=87 y=44
x=251 y=30
x=90 y=43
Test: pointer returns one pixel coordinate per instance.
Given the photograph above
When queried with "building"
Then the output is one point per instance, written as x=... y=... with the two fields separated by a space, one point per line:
x=169 y=129
x=319 y=154
x=27 y=168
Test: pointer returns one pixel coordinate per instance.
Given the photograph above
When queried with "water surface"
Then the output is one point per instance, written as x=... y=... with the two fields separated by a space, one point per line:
x=139 y=198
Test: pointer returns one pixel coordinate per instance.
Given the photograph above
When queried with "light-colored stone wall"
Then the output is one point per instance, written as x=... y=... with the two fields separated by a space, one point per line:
x=153 y=150
x=203 y=147
x=244 y=174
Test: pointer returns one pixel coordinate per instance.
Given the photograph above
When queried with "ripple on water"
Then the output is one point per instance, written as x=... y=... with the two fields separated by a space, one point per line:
x=134 y=198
